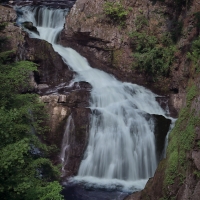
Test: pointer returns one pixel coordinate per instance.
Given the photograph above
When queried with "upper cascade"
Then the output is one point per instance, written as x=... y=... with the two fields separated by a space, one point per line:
x=121 y=148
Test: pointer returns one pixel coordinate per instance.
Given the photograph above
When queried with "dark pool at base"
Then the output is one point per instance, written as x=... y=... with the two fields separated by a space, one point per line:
x=80 y=192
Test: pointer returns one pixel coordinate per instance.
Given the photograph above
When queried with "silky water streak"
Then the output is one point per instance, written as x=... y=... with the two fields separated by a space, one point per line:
x=121 y=147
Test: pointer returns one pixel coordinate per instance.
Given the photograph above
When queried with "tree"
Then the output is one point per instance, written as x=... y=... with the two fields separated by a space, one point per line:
x=26 y=173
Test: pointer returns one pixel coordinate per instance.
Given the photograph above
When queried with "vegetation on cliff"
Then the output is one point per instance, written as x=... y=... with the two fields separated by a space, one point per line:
x=164 y=54
x=181 y=141
x=152 y=55
x=26 y=171
x=116 y=12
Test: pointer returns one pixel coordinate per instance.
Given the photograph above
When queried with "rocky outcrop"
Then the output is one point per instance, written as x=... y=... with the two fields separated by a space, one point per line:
x=87 y=31
x=72 y=103
x=49 y=3
x=30 y=27
x=7 y=14
x=162 y=126
x=107 y=46
x=51 y=68
x=14 y=33
x=90 y=31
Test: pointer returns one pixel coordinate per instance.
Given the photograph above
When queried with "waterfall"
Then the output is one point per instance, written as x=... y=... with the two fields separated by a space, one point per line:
x=121 y=146
x=66 y=143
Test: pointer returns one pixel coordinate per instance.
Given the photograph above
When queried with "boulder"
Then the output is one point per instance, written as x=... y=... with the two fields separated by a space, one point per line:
x=30 y=27
x=52 y=71
x=78 y=138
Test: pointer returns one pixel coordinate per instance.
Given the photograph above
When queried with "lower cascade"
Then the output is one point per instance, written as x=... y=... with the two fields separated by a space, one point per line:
x=121 y=149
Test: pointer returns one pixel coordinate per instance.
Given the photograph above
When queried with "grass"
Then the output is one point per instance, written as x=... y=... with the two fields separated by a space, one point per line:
x=181 y=140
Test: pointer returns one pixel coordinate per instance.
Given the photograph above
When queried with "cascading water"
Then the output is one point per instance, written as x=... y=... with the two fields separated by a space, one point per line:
x=66 y=143
x=121 y=146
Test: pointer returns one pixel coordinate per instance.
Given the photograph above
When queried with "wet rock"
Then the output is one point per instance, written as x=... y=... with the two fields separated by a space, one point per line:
x=161 y=129
x=66 y=89
x=79 y=98
x=78 y=140
x=135 y=196
x=30 y=27
x=50 y=3
x=51 y=68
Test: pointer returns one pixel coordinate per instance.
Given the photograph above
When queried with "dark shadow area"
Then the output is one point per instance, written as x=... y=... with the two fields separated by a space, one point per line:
x=80 y=192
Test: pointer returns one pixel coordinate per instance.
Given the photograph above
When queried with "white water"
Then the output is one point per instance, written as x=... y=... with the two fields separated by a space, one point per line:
x=121 y=147
x=66 y=143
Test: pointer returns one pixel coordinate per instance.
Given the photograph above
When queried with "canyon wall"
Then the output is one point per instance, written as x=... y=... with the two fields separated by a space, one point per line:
x=108 y=46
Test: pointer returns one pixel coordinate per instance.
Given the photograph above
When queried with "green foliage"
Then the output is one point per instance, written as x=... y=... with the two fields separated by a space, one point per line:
x=3 y=39
x=197 y=173
x=151 y=56
x=140 y=22
x=191 y=93
x=194 y=55
x=198 y=143
x=5 y=56
x=166 y=39
x=176 y=30
x=13 y=80
x=2 y=26
x=115 y=11
x=25 y=169
x=181 y=141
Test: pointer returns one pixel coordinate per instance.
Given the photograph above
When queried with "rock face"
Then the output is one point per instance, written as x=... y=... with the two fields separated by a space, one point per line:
x=61 y=100
x=51 y=68
x=60 y=107
x=50 y=3
x=7 y=14
x=162 y=126
x=87 y=31
x=29 y=26
x=107 y=46
x=14 y=33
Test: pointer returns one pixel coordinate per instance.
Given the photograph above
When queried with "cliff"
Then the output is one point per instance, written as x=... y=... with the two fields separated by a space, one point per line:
x=113 y=44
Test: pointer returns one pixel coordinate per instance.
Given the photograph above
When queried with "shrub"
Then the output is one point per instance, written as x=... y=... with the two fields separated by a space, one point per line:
x=115 y=11
x=194 y=55
x=140 y=22
x=150 y=55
